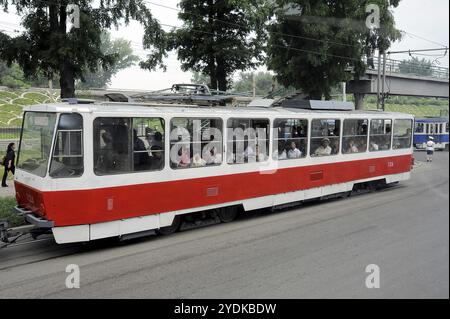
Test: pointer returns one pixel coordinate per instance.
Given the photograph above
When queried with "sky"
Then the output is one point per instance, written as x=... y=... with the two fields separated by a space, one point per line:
x=427 y=24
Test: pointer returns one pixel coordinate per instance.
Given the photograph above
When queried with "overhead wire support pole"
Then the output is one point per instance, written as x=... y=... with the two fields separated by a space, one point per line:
x=378 y=80
x=383 y=85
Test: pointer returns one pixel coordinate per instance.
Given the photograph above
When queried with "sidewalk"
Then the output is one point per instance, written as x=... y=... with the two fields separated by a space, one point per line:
x=8 y=191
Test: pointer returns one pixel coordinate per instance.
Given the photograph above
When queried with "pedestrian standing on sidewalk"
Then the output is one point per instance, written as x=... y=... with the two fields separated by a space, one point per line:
x=430 y=149
x=8 y=162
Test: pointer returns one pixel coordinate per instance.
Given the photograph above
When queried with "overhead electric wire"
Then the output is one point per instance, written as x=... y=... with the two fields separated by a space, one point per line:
x=424 y=39
x=240 y=26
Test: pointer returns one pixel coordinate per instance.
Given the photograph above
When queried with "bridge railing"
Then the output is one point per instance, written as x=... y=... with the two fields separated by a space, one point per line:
x=406 y=67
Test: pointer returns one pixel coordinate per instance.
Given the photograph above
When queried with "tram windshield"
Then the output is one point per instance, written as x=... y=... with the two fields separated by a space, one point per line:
x=36 y=142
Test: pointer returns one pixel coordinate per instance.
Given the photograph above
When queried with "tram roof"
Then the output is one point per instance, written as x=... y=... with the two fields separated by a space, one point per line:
x=133 y=109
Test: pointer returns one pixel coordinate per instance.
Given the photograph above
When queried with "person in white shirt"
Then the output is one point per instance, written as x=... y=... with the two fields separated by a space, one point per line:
x=294 y=152
x=430 y=149
x=373 y=146
x=324 y=149
x=280 y=155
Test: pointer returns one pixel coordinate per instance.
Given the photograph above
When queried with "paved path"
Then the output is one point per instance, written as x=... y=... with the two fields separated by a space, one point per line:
x=7 y=191
x=317 y=250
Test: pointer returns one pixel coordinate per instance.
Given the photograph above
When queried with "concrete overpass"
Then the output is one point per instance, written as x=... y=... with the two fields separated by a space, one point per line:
x=412 y=80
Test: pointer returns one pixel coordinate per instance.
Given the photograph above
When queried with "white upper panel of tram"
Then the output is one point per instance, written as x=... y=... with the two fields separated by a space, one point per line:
x=135 y=109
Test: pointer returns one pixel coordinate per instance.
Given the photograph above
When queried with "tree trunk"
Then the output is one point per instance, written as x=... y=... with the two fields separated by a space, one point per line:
x=221 y=76
x=212 y=73
x=212 y=61
x=66 y=69
x=67 y=80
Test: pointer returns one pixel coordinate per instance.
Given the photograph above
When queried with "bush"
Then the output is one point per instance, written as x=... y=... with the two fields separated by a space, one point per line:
x=6 y=212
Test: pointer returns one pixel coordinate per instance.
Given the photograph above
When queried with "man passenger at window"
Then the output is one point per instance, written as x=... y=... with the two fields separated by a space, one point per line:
x=294 y=152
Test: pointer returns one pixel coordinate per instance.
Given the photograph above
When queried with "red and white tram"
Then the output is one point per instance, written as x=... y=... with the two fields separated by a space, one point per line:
x=93 y=171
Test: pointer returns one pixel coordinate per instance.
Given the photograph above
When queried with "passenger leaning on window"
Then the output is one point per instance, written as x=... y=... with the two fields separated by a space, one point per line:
x=324 y=149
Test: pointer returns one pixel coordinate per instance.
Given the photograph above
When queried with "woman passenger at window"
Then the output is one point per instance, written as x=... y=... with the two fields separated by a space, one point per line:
x=324 y=149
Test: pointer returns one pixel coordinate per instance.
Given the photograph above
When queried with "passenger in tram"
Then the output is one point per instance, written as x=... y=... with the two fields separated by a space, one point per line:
x=352 y=147
x=324 y=149
x=373 y=146
x=280 y=154
x=260 y=156
x=141 y=157
x=213 y=157
x=105 y=161
x=249 y=154
x=157 y=140
x=198 y=161
x=185 y=159
x=156 y=143
x=294 y=152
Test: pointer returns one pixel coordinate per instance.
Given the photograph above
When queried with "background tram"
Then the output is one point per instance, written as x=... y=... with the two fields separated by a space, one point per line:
x=435 y=127
x=94 y=171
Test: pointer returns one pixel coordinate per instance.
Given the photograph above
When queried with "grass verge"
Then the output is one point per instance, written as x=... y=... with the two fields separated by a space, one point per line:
x=6 y=212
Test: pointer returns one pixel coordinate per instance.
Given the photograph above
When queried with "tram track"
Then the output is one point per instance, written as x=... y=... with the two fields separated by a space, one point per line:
x=73 y=249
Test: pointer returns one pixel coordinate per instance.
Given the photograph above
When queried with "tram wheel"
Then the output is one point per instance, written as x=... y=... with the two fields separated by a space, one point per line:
x=227 y=214
x=165 y=231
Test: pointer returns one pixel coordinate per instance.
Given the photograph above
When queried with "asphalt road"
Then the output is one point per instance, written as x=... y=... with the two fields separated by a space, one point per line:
x=314 y=251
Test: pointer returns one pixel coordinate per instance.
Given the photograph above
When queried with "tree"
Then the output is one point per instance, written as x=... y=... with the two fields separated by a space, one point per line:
x=264 y=81
x=199 y=78
x=313 y=44
x=12 y=76
x=124 y=59
x=416 y=66
x=48 y=46
x=220 y=37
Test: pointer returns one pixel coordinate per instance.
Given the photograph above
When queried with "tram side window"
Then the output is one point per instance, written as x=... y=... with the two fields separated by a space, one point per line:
x=290 y=139
x=247 y=140
x=354 y=139
x=402 y=134
x=380 y=135
x=325 y=137
x=420 y=128
x=195 y=142
x=67 y=159
x=148 y=144
x=112 y=145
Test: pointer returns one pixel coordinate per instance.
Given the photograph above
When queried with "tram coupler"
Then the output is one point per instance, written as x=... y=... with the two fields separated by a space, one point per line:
x=9 y=236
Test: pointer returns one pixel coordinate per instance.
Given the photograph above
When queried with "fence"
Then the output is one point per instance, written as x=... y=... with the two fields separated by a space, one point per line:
x=9 y=135
x=406 y=67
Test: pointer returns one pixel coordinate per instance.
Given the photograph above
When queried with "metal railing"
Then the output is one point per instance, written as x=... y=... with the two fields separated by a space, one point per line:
x=409 y=68
x=10 y=133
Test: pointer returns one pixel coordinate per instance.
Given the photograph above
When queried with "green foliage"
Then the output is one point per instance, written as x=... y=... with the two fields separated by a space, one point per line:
x=220 y=37
x=198 y=78
x=47 y=46
x=314 y=66
x=416 y=66
x=6 y=212
x=12 y=76
x=124 y=58
x=265 y=83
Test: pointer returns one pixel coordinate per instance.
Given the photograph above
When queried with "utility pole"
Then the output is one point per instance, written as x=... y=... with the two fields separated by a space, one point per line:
x=254 y=84
x=378 y=80
x=344 y=91
x=383 y=93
